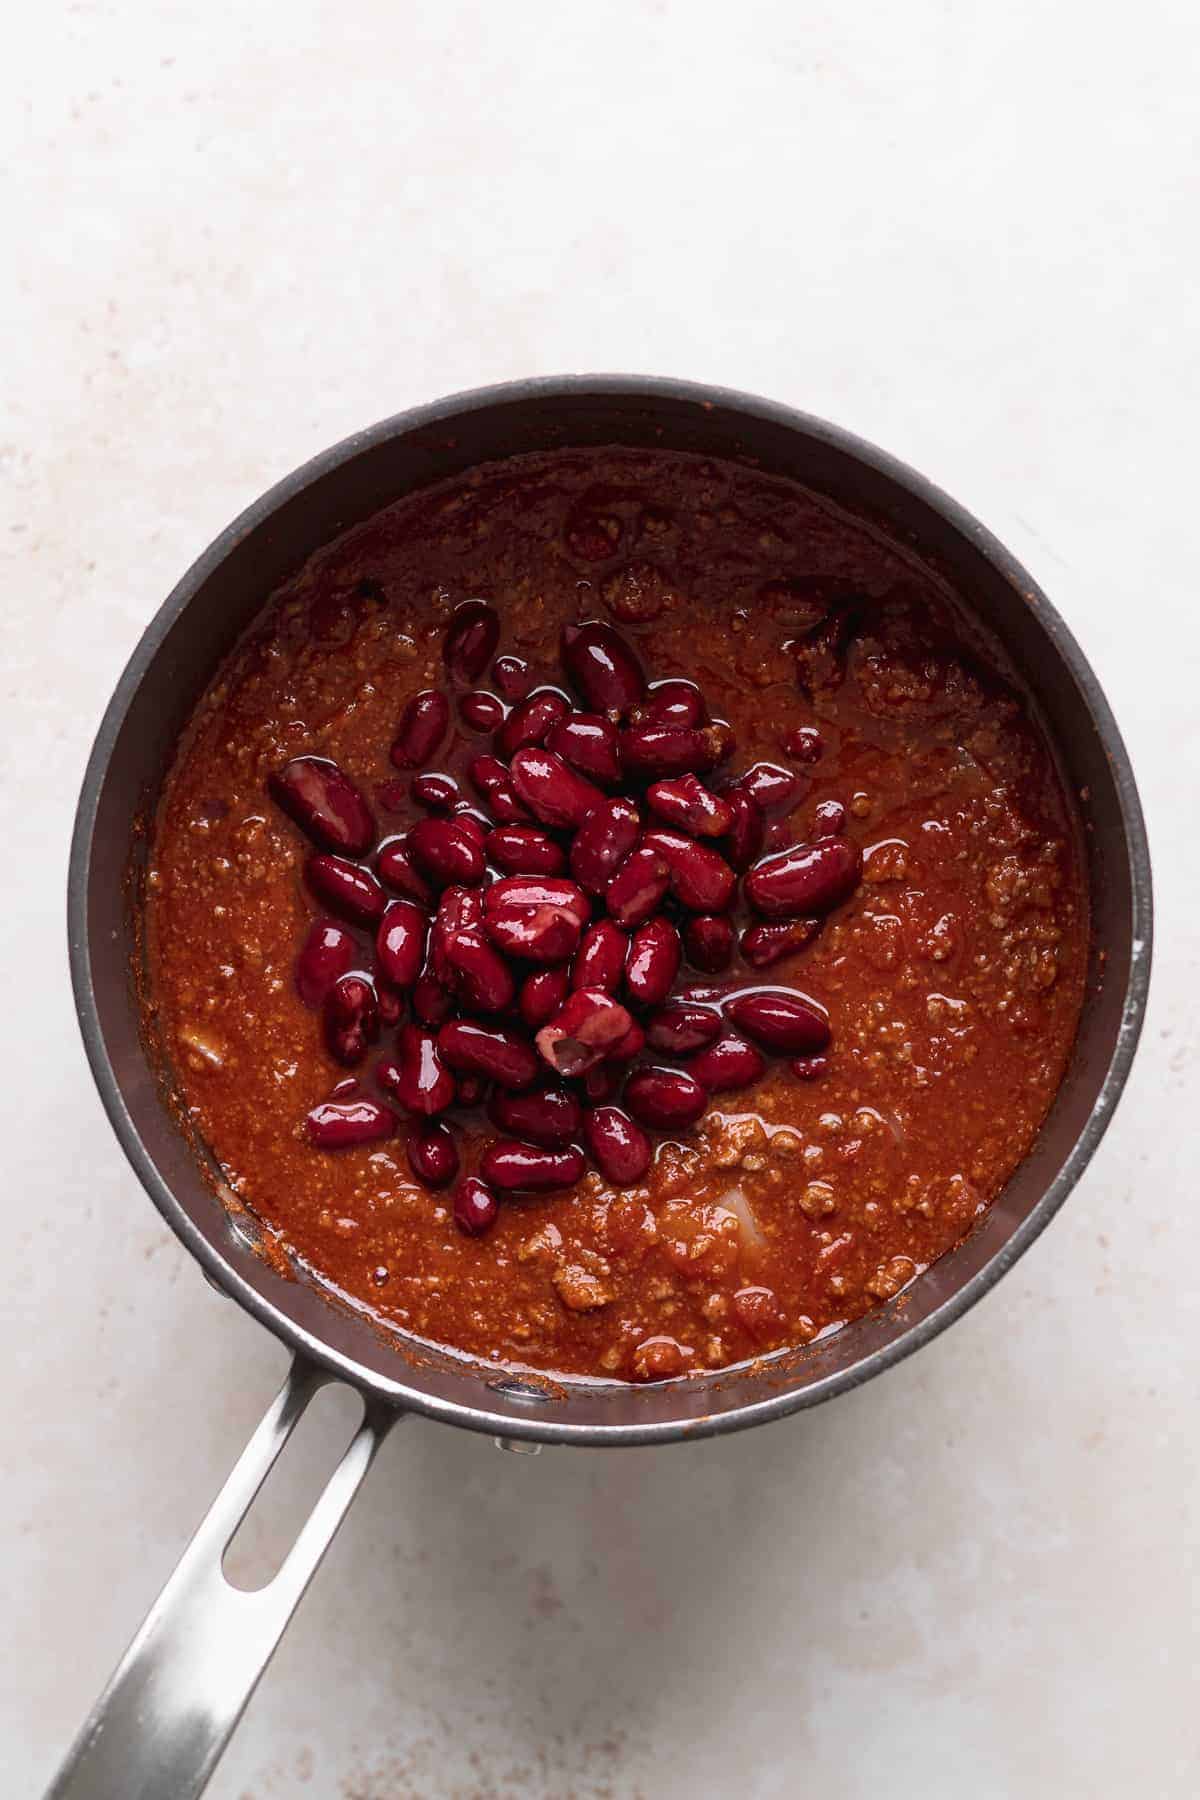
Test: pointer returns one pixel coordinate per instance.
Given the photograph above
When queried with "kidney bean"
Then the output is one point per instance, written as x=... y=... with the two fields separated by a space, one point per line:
x=681 y=1027
x=344 y=1124
x=511 y=676
x=492 y=780
x=602 y=666
x=423 y=1083
x=809 y=879
x=771 y=788
x=660 y=1359
x=524 y=850
x=325 y=804
x=654 y=958
x=674 y=702
x=431 y=998
x=327 y=953
x=475 y=1206
x=471 y=639
x=481 y=711
x=829 y=819
x=400 y=943
x=583 y=1032
x=758 y=1311
x=805 y=744
x=509 y=1165
x=554 y=792
x=600 y=960
x=350 y=1018
x=446 y=852
x=346 y=888
x=664 y=1099
x=459 y=909
x=395 y=869
x=488 y=1050
x=687 y=804
x=436 y=793
x=433 y=1155
x=729 y=1063
x=587 y=741
x=785 y=1023
x=477 y=973
x=542 y=995
x=655 y=752
x=764 y=945
x=638 y=887
x=627 y=1047
x=540 y=934
x=422 y=727
x=475 y=824
x=603 y=841
x=602 y=1082
x=708 y=939
x=532 y=721
x=550 y=1116
x=809 y=1068
x=619 y=1148
x=745 y=841
x=700 y=879
x=532 y=890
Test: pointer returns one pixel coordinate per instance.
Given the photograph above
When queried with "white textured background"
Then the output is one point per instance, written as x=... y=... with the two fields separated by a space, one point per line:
x=966 y=231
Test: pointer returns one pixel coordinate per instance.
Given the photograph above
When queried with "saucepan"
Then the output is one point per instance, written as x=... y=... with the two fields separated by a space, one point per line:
x=174 y=1699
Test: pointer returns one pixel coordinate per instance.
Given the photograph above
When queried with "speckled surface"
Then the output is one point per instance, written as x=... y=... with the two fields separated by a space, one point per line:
x=967 y=235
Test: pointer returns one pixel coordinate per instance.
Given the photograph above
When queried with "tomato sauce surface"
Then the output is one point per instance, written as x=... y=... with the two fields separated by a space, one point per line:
x=952 y=975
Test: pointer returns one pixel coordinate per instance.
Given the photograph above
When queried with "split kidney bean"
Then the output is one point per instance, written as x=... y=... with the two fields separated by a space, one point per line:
x=422 y=727
x=785 y=1023
x=344 y=1124
x=674 y=702
x=549 y=1116
x=511 y=676
x=422 y=1084
x=602 y=666
x=325 y=804
x=477 y=973
x=433 y=1155
x=350 y=1018
x=542 y=995
x=436 y=793
x=771 y=788
x=346 y=888
x=808 y=880
x=809 y=1068
x=700 y=878
x=600 y=960
x=829 y=819
x=627 y=1047
x=396 y=870
x=728 y=1064
x=764 y=945
x=654 y=958
x=681 y=1027
x=529 y=890
x=400 y=943
x=687 y=804
x=554 y=792
x=638 y=887
x=327 y=953
x=471 y=639
x=540 y=934
x=532 y=721
x=588 y=1026
x=587 y=741
x=481 y=711
x=509 y=1165
x=493 y=781
x=745 y=841
x=445 y=852
x=664 y=1099
x=524 y=850
x=475 y=1206
x=708 y=939
x=619 y=1148
x=603 y=841
x=656 y=752
x=491 y=1051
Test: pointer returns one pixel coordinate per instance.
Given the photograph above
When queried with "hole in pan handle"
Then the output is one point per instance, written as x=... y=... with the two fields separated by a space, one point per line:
x=167 y=1713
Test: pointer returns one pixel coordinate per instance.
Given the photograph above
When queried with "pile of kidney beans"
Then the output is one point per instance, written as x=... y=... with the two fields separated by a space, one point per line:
x=527 y=947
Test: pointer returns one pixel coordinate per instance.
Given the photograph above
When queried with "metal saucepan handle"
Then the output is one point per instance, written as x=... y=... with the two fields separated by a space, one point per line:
x=181 y=1687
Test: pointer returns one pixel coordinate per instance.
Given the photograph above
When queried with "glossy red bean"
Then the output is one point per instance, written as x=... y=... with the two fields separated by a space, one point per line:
x=688 y=805
x=433 y=1155
x=532 y=721
x=350 y=1018
x=524 y=850
x=477 y=825
x=637 y=889
x=396 y=870
x=542 y=995
x=471 y=639
x=745 y=841
x=327 y=953
x=674 y=702
x=512 y=676
x=446 y=852
x=538 y=934
x=700 y=877
x=325 y=804
x=583 y=1032
x=481 y=711
x=475 y=1206
x=764 y=945
x=785 y=1023
x=345 y=887
x=603 y=841
x=532 y=890
x=512 y=1166
x=654 y=957
x=436 y=793
x=708 y=940
x=493 y=781
x=600 y=960
x=658 y=752
x=551 y=1116
x=771 y=788
x=664 y=1099
x=727 y=1064
x=554 y=792
x=424 y=1084
x=805 y=744
x=344 y=1124
x=432 y=1000
x=829 y=819
x=400 y=943
x=588 y=741
x=681 y=1027
x=422 y=727
x=602 y=666
x=619 y=1148
x=809 y=1068
x=808 y=880
x=488 y=1050
x=478 y=973
x=459 y=909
